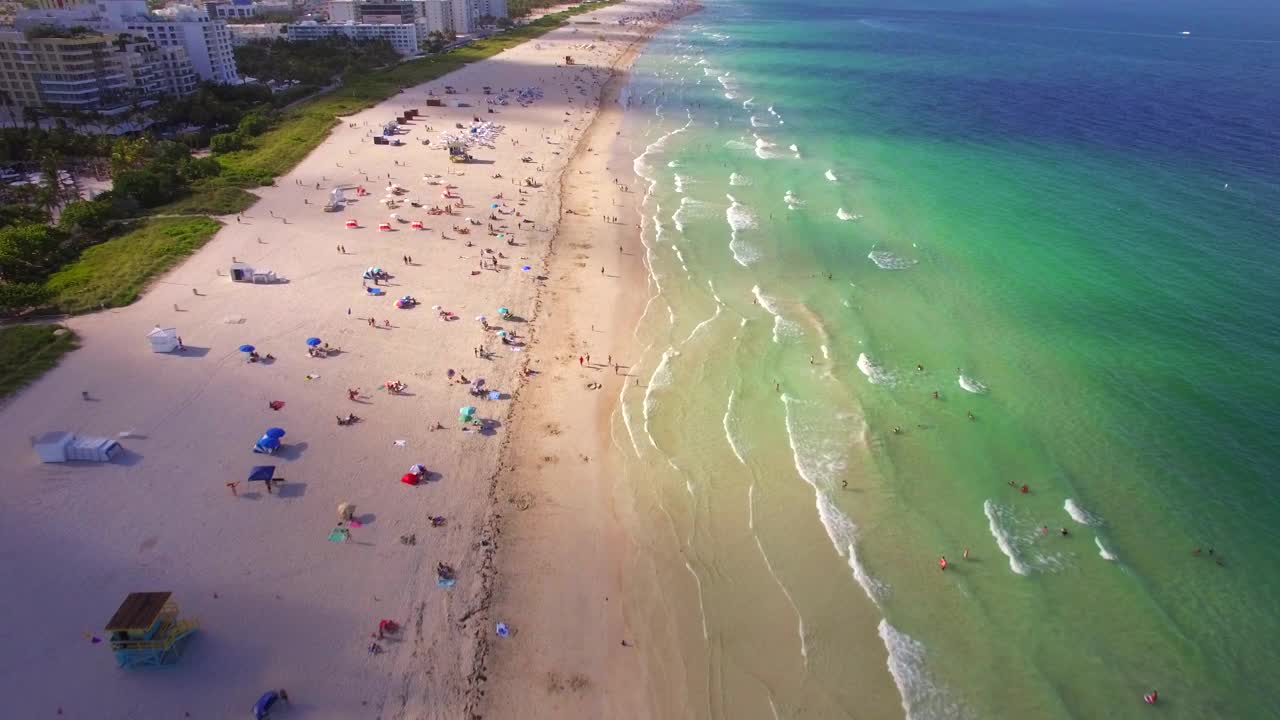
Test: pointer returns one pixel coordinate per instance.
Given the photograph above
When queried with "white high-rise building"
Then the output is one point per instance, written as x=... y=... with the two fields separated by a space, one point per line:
x=482 y=8
x=206 y=40
x=402 y=36
x=429 y=15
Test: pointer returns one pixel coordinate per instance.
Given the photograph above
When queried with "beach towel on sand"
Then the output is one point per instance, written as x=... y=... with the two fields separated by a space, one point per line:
x=445 y=582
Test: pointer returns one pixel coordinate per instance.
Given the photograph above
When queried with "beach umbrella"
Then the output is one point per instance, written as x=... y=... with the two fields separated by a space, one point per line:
x=478 y=383
x=313 y=341
x=525 y=268
x=274 y=432
x=467 y=410
x=495 y=395
x=267 y=442
x=479 y=318
x=417 y=469
x=246 y=348
x=435 y=307
x=493 y=205
x=503 y=311
x=262 y=473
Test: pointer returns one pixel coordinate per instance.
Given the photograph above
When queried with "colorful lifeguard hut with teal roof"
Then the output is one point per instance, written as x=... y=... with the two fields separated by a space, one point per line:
x=147 y=632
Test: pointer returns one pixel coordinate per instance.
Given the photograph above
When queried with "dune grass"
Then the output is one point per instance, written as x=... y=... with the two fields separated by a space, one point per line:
x=28 y=351
x=114 y=273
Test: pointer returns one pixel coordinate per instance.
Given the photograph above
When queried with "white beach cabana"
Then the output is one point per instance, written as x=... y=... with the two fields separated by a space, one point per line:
x=59 y=446
x=163 y=340
x=243 y=272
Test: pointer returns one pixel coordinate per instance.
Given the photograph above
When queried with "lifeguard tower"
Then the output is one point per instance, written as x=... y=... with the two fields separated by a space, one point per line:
x=458 y=151
x=147 y=632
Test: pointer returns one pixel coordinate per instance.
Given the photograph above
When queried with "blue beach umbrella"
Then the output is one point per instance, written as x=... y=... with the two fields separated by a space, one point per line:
x=503 y=311
x=495 y=395
x=274 y=432
x=502 y=333
x=494 y=205
x=313 y=341
x=267 y=442
x=246 y=348
x=525 y=268
x=467 y=410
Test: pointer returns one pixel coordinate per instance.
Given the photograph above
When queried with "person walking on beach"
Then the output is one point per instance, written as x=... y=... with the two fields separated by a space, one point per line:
x=580 y=361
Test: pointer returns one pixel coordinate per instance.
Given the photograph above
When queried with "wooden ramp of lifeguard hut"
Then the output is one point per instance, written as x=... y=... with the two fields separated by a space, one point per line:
x=147 y=632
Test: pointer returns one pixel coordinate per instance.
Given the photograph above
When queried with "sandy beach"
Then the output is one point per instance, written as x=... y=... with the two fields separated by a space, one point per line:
x=524 y=500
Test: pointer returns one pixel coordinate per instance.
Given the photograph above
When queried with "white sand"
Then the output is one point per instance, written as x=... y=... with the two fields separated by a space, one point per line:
x=278 y=605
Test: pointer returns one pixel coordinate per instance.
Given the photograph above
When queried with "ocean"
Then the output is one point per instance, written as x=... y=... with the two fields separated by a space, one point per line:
x=995 y=279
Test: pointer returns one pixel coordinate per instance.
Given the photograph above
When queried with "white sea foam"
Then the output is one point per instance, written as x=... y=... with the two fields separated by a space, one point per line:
x=784 y=329
x=679 y=181
x=999 y=520
x=922 y=699
x=757 y=122
x=792 y=201
x=764 y=149
x=737 y=180
x=1079 y=514
x=740 y=219
x=875 y=589
x=689 y=208
x=641 y=166
x=876 y=374
x=730 y=422
x=804 y=645
x=622 y=394
x=971 y=385
x=831 y=175
x=697 y=328
x=729 y=96
x=749 y=103
x=846 y=216
x=702 y=610
x=661 y=378
x=738 y=145
x=673 y=164
x=818 y=452
x=765 y=301
x=1103 y=552
x=886 y=260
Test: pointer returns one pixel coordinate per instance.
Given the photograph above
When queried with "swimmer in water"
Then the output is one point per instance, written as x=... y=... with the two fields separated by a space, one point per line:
x=970 y=415
x=1151 y=697
x=942 y=562
x=919 y=367
x=897 y=430
x=935 y=394
x=1063 y=531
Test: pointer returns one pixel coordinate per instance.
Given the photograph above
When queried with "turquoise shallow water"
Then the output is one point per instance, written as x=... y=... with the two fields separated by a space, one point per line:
x=851 y=208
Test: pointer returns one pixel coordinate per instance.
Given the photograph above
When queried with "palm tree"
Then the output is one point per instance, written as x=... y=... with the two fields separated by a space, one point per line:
x=51 y=186
x=7 y=101
x=31 y=115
